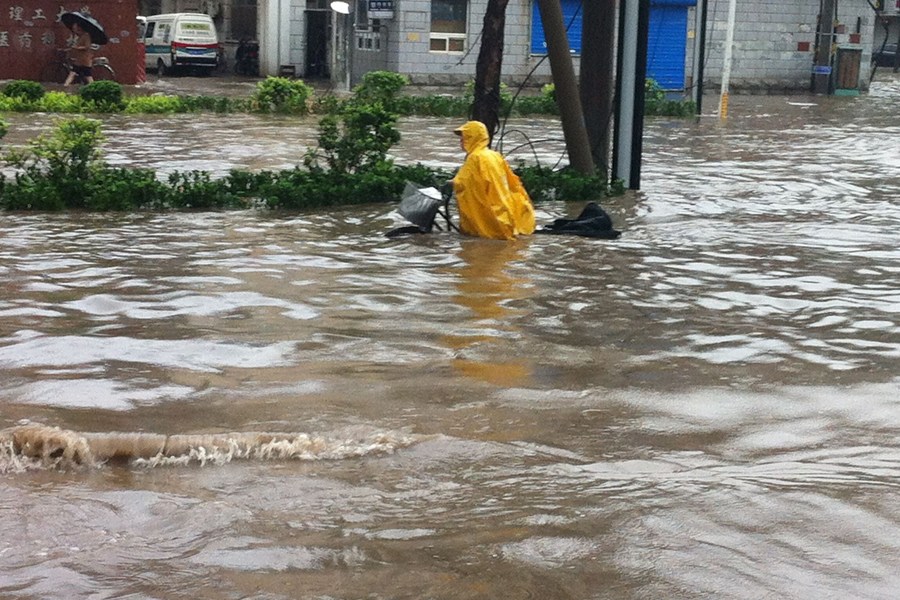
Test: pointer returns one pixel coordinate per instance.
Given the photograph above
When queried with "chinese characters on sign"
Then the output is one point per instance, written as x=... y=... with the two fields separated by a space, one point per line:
x=381 y=9
x=21 y=28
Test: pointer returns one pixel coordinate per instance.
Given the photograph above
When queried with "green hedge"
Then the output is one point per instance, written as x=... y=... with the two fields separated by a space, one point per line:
x=291 y=96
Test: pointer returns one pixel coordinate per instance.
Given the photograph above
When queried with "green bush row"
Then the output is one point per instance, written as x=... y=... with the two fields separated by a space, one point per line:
x=292 y=96
x=64 y=170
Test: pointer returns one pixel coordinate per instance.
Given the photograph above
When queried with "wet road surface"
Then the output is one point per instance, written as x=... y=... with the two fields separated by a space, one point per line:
x=706 y=407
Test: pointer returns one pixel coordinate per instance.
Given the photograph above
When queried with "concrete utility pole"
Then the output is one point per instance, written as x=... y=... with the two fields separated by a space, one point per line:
x=634 y=25
x=567 y=97
x=598 y=36
x=824 y=40
x=726 y=63
x=486 y=102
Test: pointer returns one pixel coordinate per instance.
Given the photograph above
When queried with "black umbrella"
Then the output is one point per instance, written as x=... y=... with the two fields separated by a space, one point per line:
x=88 y=23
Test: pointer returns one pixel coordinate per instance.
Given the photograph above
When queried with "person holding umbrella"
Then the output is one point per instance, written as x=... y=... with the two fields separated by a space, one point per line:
x=88 y=32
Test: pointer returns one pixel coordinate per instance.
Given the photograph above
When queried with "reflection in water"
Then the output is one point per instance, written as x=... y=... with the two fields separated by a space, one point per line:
x=486 y=288
x=706 y=407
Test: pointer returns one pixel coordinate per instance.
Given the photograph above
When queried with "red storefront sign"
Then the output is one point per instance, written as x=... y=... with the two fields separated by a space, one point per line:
x=30 y=33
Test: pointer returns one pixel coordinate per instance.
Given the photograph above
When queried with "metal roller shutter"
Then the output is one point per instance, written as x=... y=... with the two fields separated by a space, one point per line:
x=666 y=47
x=572 y=19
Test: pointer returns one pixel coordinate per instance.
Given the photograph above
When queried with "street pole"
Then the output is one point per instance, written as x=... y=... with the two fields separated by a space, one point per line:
x=567 y=98
x=699 y=53
x=726 y=64
x=634 y=25
x=343 y=31
x=824 y=41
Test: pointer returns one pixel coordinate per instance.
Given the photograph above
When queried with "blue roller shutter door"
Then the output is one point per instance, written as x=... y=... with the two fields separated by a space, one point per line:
x=665 y=47
x=572 y=19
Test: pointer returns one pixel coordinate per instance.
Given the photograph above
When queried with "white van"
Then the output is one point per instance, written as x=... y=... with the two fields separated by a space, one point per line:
x=180 y=40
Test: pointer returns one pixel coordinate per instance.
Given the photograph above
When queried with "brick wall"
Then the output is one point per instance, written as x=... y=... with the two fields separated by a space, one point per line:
x=410 y=53
x=774 y=42
x=30 y=32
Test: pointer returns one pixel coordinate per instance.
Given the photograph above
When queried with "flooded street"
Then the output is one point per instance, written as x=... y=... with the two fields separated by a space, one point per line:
x=707 y=407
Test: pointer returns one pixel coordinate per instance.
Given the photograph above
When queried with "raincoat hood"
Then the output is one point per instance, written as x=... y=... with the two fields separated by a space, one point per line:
x=474 y=135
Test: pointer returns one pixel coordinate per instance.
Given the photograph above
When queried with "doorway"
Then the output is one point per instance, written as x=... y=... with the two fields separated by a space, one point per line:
x=317 y=44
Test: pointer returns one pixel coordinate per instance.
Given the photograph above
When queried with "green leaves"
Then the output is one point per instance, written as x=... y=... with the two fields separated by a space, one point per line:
x=657 y=104
x=355 y=139
x=282 y=95
x=31 y=91
x=104 y=96
x=64 y=170
x=53 y=169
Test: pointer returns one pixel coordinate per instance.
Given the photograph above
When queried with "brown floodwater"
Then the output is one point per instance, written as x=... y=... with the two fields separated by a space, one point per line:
x=707 y=407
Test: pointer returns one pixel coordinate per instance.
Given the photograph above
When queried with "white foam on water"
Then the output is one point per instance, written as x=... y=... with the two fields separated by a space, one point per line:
x=34 y=446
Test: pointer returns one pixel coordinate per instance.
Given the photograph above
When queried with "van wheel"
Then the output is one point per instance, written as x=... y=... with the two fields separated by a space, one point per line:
x=161 y=68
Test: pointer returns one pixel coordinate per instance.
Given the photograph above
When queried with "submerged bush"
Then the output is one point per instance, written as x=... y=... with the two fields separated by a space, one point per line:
x=104 y=96
x=280 y=94
x=53 y=170
x=64 y=170
x=380 y=87
x=15 y=104
x=27 y=90
x=61 y=102
x=118 y=189
x=656 y=103
x=154 y=105
x=354 y=140
x=544 y=183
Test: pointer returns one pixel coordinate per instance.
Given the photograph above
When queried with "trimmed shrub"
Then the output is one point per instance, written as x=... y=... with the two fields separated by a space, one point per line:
x=280 y=94
x=104 y=96
x=21 y=88
x=380 y=87
x=118 y=189
x=544 y=183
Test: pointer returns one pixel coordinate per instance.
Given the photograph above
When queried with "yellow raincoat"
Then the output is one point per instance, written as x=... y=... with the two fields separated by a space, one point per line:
x=492 y=201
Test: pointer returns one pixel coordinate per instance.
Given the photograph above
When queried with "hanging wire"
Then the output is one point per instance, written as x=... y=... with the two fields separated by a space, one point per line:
x=522 y=86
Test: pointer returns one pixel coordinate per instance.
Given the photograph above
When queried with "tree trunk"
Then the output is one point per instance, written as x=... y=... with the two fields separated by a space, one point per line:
x=486 y=103
x=567 y=97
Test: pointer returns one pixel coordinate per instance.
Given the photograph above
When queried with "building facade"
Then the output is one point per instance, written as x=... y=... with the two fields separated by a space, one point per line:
x=435 y=42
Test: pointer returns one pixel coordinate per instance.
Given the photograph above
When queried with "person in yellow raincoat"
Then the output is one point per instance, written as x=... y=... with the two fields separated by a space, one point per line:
x=492 y=201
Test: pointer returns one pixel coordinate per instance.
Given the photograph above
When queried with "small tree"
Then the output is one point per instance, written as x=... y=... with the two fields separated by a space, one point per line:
x=358 y=133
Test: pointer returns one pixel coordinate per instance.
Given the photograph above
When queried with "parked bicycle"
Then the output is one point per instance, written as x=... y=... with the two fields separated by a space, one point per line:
x=58 y=69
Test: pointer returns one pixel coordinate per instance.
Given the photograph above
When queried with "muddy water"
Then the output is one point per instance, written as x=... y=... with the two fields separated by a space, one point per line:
x=705 y=408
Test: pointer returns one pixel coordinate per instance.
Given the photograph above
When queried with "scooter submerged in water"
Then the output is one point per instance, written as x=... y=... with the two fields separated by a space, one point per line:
x=421 y=207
